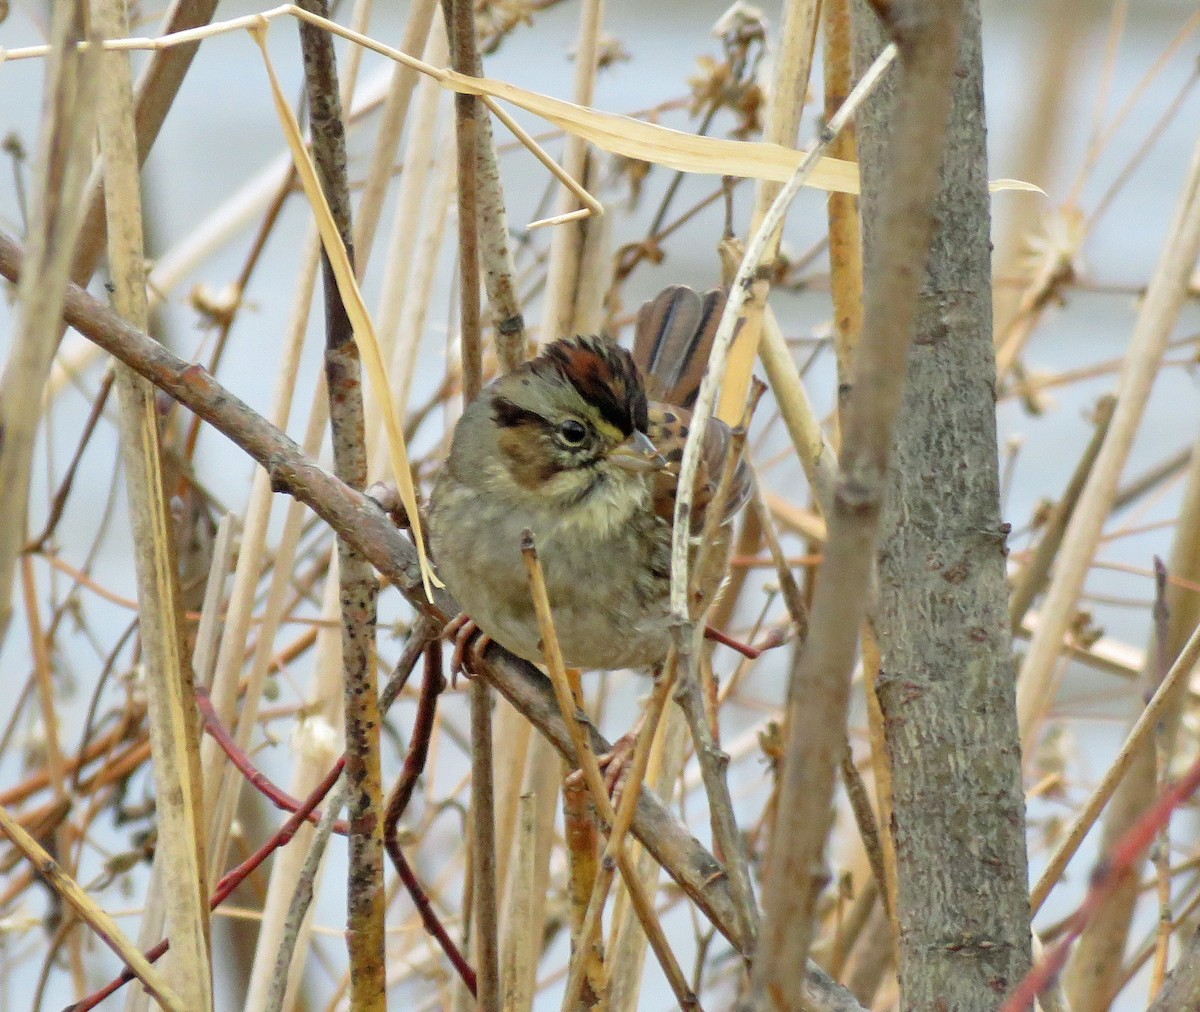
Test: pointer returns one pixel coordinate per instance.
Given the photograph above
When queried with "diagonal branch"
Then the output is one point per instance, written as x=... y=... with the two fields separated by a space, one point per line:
x=364 y=524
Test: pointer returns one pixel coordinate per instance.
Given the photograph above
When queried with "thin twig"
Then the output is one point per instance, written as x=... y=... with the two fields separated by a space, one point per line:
x=460 y=28
x=1162 y=844
x=418 y=747
x=713 y=762
x=414 y=763
x=1087 y=815
x=59 y=501
x=241 y=762
x=1029 y=581
x=864 y=817
x=302 y=897
x=615 y=855
x=97 y=919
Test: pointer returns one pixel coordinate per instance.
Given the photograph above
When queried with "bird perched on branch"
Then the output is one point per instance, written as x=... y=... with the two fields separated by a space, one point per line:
x=582 y=446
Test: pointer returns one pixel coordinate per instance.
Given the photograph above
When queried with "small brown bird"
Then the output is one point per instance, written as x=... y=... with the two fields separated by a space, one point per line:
x=582 y=446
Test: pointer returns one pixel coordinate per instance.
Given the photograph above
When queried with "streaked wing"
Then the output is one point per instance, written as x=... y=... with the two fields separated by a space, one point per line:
x=668 y=431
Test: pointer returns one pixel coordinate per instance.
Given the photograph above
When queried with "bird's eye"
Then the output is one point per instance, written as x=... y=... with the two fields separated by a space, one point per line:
x=572 y=431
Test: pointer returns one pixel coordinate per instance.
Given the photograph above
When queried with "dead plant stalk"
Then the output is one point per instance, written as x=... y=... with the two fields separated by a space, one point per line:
x=358 y=587
x=62 y=162
x=1159 y=311
x=174 y=730
x=618 y=821
x=460 y=21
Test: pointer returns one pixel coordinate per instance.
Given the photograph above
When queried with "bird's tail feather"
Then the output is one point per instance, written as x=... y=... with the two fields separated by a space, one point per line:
x=673 y=340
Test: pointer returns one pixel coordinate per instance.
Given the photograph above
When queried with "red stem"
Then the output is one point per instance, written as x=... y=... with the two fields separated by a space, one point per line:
x=414 y=764
x=229 y=882
x=262 y=783
x=1106 y=876
x=430 y=919
x=302 y=811
x=754 y=653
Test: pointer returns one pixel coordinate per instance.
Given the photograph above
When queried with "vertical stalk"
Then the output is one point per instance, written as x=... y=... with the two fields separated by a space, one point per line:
x=566 y=244
x=358 y=587
x=460 y=19
x=53 y=228
x=174 y=730
x=788 y=90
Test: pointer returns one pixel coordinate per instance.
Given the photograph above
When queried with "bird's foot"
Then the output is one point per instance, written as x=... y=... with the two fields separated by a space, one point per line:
x=616 y=763
x=469 y=644
x=614 y=766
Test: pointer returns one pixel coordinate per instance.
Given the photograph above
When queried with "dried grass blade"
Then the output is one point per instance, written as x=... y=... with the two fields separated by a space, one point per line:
x=62 y=166
x=615 y=133
x=1159 y=312
x=364 y=330
x=174 y=732
x=673 y=149
x=90 y=913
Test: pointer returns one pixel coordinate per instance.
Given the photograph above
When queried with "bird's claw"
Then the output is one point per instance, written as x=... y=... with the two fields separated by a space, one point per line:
x=614 y=766
x=616 y=763
x=469 y=644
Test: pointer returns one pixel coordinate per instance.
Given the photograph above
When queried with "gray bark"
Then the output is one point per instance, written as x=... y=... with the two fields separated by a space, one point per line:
x=1181 y=990
x=947 y=682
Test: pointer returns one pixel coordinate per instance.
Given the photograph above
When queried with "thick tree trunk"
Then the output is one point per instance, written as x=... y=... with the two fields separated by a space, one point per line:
x=947 y=681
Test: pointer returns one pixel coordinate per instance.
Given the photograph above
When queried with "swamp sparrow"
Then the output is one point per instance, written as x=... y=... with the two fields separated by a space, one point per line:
x=582 y=446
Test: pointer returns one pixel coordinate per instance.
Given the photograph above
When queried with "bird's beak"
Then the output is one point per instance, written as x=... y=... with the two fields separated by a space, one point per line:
x=637 y=454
